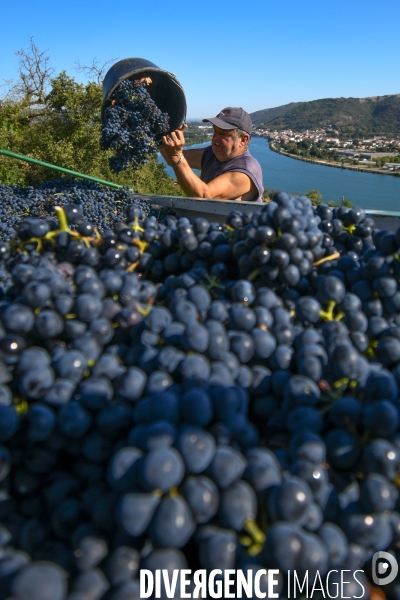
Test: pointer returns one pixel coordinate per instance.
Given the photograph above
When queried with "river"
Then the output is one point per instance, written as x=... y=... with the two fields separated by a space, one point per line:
x=378 y=192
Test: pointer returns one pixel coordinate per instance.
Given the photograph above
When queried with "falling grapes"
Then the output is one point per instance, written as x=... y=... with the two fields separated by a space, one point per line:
x=132 y=125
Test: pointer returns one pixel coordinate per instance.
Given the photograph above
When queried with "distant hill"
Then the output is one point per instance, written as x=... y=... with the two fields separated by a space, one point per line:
x=350 y=116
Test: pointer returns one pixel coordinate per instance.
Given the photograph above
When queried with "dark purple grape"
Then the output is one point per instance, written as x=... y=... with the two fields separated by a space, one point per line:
x=161 y=469
x=40 y=581
x=136 y=511
x=202 y=496
x=172 y=524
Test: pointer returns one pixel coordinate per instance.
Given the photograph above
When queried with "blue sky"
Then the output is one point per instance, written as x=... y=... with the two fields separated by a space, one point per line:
x=251 y=53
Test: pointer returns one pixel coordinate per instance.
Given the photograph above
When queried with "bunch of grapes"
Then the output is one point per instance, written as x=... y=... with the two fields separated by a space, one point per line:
x=185 y=394
x=132 y=125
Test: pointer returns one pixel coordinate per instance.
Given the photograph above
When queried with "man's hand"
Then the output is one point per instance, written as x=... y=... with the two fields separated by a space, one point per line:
x=172 y=147
x=146 y=80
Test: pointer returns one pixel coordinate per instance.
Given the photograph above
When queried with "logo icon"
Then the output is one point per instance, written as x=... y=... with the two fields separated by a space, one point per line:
x=384 y=568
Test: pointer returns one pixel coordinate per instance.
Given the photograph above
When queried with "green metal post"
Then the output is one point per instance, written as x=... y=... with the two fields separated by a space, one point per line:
x=56 y=168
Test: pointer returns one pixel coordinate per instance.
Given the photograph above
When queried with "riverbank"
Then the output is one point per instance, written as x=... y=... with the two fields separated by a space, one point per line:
x=326 y=163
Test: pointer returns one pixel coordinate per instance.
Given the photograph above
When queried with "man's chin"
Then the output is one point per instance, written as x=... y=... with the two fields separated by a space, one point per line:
x=219 y=154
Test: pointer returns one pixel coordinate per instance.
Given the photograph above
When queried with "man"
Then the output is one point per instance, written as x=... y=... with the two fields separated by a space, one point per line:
x=228 y=171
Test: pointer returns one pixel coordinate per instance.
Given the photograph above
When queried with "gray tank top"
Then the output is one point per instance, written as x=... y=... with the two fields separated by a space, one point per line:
x=245 y=163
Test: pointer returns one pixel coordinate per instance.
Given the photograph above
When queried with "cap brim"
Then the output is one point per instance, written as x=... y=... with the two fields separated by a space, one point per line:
x=220 y=123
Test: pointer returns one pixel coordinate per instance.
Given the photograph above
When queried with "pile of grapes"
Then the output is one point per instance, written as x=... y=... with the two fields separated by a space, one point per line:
x=102 y=206
x=180 y=394
x=132 y=125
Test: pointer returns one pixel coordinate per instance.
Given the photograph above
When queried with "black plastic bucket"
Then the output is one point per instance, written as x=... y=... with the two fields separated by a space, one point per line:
x=165 y=89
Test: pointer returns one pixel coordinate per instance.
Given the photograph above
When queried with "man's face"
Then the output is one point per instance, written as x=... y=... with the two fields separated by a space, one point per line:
x=225 y=144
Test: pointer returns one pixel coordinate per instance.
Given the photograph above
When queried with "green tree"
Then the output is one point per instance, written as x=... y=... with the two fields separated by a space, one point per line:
x=315 y=197
x=346 y=203
x=315 y=152
x=304 y=144
x=65 y=130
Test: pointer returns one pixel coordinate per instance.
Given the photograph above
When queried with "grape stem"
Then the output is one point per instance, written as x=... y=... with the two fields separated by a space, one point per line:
x=328 y=314
x=253 y=529
x=326 y=258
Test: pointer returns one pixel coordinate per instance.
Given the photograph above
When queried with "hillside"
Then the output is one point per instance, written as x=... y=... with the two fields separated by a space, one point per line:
x=351 y=116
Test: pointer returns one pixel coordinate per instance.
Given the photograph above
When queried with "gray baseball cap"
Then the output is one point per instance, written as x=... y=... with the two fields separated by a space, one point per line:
x=232 y=117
